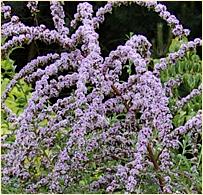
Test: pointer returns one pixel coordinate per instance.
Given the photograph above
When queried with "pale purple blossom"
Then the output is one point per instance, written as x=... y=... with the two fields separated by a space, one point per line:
x=32 y=6
x=100 y=119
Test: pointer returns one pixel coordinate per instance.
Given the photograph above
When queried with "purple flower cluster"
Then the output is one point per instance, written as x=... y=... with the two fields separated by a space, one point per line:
x=183 y=101
x=6 y=10
x=172 y=21
x=172 y=58
x=58 y=17
x=32 y=6
x=56 y=142
x=194 y=125
x=173 y=82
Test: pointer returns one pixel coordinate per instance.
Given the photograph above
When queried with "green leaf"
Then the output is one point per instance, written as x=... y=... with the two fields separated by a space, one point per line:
x=7 y=64
x=195 y=58
x=179 y=120
x=4 y=84
x=21 y=100
x=3 y=39
x=4 y=129
x=186 y=80
x=196 y=67
x=181 y=67
x=176 y=43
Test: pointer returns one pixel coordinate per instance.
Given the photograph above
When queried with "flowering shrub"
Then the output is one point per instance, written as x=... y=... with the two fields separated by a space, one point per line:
x=106 y=135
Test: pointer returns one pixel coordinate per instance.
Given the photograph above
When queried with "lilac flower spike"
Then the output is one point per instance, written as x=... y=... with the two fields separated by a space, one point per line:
x=32 y=6
x=81 y=118
x=170 y=84
x=6 y=10
x=183 y=101
x=58 y=17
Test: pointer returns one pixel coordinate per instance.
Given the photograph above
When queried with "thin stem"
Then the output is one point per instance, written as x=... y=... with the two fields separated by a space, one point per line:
x=156 y=166
x=117 y=92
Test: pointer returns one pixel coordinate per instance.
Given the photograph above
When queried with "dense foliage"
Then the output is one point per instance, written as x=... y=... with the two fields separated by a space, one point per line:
x=75 y=122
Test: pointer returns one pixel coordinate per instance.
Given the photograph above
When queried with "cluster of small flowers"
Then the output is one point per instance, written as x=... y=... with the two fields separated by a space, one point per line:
x=32 y=6
x=32 y=66
x=183 y=101
x=67 y=136
x=170 y=84
x=58 y=17
x=172 y=58
x=172 y=21
x=194 y=125
x=6 y=10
